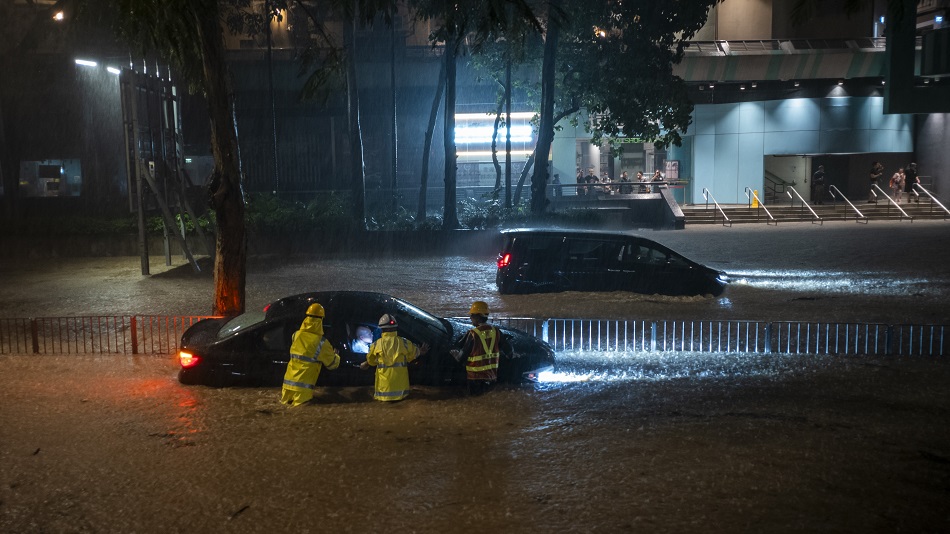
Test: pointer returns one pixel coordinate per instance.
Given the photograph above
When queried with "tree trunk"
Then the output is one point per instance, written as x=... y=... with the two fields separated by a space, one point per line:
x=7 y=174
x=528 y=164
x=494 y=152
x=524 y=175
x=508 y=128
x=357 y=167
x=450 y=219
x=546 y=128
x=427 y=145
x=227 y=193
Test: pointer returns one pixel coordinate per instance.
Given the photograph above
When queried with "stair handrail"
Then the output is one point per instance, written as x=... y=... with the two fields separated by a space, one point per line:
x=895 y=204
x=707 y=195
x=933 y=200
x=774 y=182
x=760 y=204
x=833 y=189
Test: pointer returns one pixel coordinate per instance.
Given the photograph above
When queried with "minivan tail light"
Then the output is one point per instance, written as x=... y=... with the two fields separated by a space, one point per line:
x=504 y=260
x=187 y=359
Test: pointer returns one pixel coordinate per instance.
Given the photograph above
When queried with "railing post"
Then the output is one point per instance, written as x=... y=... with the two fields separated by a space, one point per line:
x=135 y=335
x=35 y=335
x=544 y=330
x=888 y=338
x=768 y=338
x=652 y=336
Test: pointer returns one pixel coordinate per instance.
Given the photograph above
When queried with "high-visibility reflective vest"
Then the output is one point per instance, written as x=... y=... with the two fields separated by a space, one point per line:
x=391 y=354
x=309 y=353
x=482 y=363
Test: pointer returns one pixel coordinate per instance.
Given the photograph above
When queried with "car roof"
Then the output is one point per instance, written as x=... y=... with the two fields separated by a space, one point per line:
x=297 y=304
x=570 y=231
x=576 y=233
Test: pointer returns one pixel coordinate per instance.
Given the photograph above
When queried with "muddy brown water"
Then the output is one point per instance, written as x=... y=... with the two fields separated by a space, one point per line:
x=674 y=443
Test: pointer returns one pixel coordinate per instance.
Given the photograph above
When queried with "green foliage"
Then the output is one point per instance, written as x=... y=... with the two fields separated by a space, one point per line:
x=617 y=58
x=266 y=213
x=155 y=225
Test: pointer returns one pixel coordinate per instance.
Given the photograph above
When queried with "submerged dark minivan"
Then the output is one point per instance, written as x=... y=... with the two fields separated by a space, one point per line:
x=536 y=261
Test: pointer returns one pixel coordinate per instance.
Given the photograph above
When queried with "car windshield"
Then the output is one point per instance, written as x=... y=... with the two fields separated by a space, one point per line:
x=239 y=323
x=419 y=312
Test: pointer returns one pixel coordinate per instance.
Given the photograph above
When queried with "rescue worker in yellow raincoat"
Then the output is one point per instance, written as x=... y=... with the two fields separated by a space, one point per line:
x=309 y=353
x=482 y=348
x=391 y=355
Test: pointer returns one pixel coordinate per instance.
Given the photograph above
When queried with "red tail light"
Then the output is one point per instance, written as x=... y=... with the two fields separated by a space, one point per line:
x=187 y=359
x=267 y=308
x=504 y=260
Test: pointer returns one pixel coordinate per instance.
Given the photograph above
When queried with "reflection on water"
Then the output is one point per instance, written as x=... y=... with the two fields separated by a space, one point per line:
x=594 y=366
x=866 y=283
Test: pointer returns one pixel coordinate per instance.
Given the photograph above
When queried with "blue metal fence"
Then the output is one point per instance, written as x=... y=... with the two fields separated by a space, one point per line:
x=160 y=334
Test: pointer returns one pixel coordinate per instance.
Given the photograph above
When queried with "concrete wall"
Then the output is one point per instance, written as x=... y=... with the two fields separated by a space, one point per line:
x=772 y=19
x=933 y=140
x=729 y=141
x=744 y=19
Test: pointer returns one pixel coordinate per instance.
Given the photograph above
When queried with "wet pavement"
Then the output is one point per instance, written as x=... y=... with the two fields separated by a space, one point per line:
x=616 y=442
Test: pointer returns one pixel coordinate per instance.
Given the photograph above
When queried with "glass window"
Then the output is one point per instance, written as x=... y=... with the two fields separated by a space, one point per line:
x=50 y=178
x=241 y=322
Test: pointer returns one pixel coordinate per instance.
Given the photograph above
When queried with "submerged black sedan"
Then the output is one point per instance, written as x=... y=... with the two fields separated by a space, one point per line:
x=549 y=260
x=252 y=349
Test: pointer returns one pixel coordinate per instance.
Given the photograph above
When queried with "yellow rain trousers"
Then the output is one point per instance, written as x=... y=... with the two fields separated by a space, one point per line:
x=309 y=353
x=391 y=354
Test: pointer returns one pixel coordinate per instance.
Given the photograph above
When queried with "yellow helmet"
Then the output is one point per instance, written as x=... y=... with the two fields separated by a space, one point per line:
x=315 y=310
x=479 y=308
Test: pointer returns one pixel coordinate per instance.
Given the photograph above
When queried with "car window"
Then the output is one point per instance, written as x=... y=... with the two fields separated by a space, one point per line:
x=274 y=338
x=675 y=260
x=239 y=323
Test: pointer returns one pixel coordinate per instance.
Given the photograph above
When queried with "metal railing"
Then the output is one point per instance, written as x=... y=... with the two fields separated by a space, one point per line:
x=933 y=200
x=136 y=334
x=785 y=46
x=751 y=194
x=781 y=337
x=707 y=195
x=891 y=202
x=835 y=193
x=806 y=206
x=153 y=334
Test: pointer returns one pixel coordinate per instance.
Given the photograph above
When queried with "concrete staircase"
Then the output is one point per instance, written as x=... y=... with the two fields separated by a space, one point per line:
x=840 y=211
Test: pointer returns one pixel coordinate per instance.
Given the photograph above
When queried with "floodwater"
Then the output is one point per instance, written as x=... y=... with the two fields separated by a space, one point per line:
x=611 y=442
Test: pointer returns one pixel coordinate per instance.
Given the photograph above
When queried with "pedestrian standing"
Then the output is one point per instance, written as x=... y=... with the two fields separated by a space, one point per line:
x=391 y=356
x=897 y=184
x=482 y=347
x=309 y=353
x=877 y=170
x=818 y=185
x=910 y=180
x=625 y=188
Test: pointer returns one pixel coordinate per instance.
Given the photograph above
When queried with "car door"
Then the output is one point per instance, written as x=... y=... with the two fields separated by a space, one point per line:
x=585 y=264
x=664 y=271
x=265 y=351
x=621 y=271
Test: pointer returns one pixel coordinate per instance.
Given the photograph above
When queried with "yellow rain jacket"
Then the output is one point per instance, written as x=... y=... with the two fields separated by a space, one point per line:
x=391 y=354
x=309 y=352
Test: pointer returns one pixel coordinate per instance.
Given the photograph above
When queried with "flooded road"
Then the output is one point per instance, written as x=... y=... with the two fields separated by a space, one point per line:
x=666 y=444
x=886 y=272
x=612 y=442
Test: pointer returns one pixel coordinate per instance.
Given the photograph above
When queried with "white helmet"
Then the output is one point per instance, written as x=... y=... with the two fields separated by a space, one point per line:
x=387 y=322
